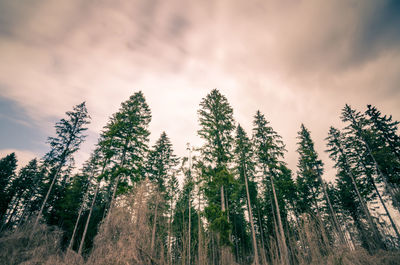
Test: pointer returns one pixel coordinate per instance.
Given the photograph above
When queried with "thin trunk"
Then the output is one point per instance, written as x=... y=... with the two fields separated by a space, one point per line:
x=386 y=210
x=332 y=211
x=388 y=186
x=62 y=162
x=189 y=232
x=363 y=205
x=253 y=233
x=88 y=219
x=222 y=199
x=282 y=234
x=153 y=234
x=47 y=197
x=199 y=246
x=71 y=242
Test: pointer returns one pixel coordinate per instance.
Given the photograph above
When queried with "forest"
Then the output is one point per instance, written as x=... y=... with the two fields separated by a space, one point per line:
x=232 y=200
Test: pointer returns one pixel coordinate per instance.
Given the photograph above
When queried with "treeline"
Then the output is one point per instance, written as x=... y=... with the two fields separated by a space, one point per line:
x=238 y=202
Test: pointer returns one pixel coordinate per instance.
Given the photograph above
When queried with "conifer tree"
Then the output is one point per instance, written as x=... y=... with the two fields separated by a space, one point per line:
x=311 y=187
x=363 y=143
x=354 y=190
x=21 y=189
x=8 y=165
x=127 y=137
x=217 y=124
x=161 y=170
x=269 y=151
x=245 y=167
x=70 y=135
x=385 y=145
x=122 y=148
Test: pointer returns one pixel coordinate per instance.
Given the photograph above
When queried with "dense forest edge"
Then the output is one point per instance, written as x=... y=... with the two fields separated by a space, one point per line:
x=231 y=201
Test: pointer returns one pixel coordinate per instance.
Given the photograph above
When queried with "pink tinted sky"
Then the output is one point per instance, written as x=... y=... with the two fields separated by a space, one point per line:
x=295 y=61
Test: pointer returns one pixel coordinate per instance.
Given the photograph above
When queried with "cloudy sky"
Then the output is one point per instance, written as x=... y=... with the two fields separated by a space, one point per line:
x=297 y=61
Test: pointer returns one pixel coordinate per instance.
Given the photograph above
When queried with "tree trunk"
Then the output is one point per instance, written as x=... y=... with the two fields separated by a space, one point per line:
x=153 y=234
x=284 y=254
x=363 y=205
x=88 y=219
x=189 y=232
x=332 y=211
x=253 y=233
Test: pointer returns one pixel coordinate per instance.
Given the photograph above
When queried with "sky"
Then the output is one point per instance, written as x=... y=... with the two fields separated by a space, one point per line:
x=297 y=61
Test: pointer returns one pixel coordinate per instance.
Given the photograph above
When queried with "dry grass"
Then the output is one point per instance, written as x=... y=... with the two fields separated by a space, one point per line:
x=125 y=238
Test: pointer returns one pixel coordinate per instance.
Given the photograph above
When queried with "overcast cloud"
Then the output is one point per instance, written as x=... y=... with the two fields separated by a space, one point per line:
x=296 y=61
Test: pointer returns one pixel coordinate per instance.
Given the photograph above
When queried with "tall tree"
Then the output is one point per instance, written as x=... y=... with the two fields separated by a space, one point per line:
x=123 y=148
x=70 y=135
x=385 y=148
x=363 y=142
x=310 y=184
x=217 y=124
x=351 y=183
x=161 y=170
x=245 y=167
x=269 y=151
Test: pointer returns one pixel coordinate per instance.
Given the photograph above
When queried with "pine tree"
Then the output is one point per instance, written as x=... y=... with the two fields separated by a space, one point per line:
x=123 y=147
x=363 y=144
x=269 y=150
x=245 y=167
x=311 y=187
x=217 y=124
x=353 y=189
x=161 y=170
x=70 y=135
x=21 y=190
x=127 y=134
x=8 y=165
x=385 y=148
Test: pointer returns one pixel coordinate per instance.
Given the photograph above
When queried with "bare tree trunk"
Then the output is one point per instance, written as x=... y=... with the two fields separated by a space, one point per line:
x=46 y=198
x=332 y=211
x=387 y=211
x=253 y=233
x=71 y=242
x=153 y=234
x=88 y=219
x=285 y=258
x=364 y=206
x=189 y=233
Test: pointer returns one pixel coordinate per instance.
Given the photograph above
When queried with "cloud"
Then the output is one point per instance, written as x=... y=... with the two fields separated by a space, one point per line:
x=296 y=61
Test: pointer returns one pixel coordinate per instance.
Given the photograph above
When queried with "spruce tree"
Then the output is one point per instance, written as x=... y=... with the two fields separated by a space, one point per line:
x=161 y=170
x=8 y=165
x=269 y=152
x=122 y=148
x=244 y=160
x=311 y=187
x=70 y=135
x=354 y=189
x=217 y=124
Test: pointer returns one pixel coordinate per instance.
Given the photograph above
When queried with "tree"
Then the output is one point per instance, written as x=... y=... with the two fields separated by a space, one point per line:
x=70 y=135
x=245 y=167
x=161 y=164
x=8 y=165
x=353 y=189
x=269 y=150
x=123 y=147
x=217 y=124
x=311 y=187
x=363 y=143
x=384 y=143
